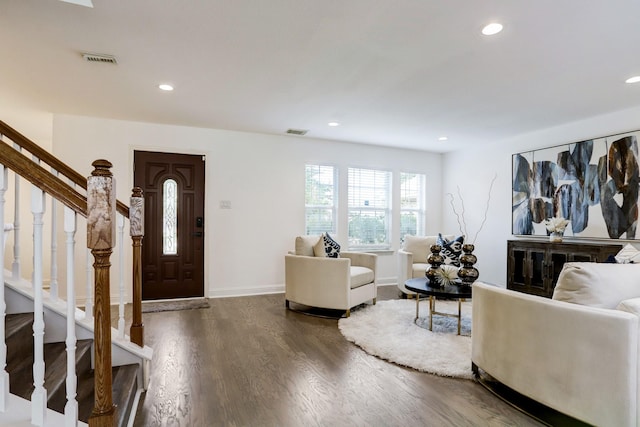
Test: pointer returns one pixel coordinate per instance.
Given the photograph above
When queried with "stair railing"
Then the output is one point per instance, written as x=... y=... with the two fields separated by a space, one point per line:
x=64 y=185
x=4 y=375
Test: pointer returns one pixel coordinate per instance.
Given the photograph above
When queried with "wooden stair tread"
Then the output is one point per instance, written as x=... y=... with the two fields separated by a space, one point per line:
x=55 y=360
x=15 y=322
x=19 y=338
x=19 y=332
x=56 y=375
x=124 y=386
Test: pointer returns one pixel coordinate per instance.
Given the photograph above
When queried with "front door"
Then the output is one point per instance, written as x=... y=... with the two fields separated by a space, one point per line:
x=173 y=243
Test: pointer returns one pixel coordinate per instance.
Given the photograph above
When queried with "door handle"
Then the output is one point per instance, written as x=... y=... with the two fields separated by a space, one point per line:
x=197 y=234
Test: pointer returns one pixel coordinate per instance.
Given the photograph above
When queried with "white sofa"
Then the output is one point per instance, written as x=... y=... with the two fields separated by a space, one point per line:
x=582 y=360
x=412 y=258
x=341 y=283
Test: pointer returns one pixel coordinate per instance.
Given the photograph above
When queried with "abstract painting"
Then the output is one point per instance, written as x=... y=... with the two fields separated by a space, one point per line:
x=592 y=183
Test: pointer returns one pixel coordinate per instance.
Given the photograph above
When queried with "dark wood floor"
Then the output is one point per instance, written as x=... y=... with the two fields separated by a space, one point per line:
x=249 y=362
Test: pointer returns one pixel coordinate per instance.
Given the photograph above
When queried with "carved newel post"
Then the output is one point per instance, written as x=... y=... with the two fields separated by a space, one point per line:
x=101 y=228
x=136 y=224
x=435 y=260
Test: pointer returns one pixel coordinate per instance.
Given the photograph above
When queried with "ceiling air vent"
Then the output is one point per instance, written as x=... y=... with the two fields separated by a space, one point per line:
x=299 y=132
x=99 y=57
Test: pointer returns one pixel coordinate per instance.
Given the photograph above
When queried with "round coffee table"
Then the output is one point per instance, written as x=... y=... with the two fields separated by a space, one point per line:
x=421 y=286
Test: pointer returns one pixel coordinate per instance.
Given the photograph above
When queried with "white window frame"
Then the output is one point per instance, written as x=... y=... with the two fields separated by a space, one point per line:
x=333 y=172
x=369 y=198
x=419 y=208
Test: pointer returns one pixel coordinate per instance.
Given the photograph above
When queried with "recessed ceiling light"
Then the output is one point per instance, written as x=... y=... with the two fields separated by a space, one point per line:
x=443 y=138
x=85 y=3
x=634 y=79
x=165 y=87
x=333 y=124
x=491 y=29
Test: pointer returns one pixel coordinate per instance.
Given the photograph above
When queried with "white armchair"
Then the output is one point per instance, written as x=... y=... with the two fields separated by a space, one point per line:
x=412 y=258
x=333 y=283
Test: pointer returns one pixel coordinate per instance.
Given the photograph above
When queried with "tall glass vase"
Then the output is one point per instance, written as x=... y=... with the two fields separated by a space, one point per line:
x=467 y=272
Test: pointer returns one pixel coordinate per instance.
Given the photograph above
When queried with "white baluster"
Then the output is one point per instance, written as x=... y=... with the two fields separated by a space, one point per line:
x=71 y=408
x=39 y=395
x=15 y=267
x=33 y=281
x=88 y=306
x=121 y=269
x=4 y=375
x=53 y=283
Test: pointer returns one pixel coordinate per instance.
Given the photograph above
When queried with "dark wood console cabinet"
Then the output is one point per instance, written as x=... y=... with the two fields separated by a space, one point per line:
x=533 y=267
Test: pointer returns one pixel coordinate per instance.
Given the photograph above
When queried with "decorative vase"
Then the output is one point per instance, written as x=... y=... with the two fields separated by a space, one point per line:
x=435 y=260
x=467 y=272
x=556 y=236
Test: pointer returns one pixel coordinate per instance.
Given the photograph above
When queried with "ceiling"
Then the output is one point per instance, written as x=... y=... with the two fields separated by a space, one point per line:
x=392 y=72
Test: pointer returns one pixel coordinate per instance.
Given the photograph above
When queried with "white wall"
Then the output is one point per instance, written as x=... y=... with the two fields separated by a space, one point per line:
x=472 y=171
x=262 y=176
x=34 y=124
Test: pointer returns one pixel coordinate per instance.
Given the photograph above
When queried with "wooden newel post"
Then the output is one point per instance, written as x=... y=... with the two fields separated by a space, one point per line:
x=136 y=225
x=101 y=231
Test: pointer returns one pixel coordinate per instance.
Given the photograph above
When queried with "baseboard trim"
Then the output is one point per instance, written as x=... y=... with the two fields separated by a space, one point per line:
x=245 y=292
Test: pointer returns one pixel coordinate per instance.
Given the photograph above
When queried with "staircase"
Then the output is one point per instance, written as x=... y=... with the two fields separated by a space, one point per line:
x=59 y=358
x=19 y=331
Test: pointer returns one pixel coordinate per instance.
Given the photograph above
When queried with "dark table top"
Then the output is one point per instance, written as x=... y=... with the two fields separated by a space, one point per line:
x=422 y=286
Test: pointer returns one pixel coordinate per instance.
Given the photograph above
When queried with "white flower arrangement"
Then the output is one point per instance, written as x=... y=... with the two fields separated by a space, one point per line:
x=447 y=275
x=556 y=224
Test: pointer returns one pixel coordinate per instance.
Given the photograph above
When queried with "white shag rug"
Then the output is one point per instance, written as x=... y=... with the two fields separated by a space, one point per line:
x=387 y=330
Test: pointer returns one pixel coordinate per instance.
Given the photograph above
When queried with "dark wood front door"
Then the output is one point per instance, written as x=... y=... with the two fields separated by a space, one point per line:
x=173 y=244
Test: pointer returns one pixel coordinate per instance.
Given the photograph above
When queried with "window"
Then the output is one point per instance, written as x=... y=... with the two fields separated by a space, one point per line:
x=369 y=195
x=320 y=199
x=170 y=217
x=412 y=204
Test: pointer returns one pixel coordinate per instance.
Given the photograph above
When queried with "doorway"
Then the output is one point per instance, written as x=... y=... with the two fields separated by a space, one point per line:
x=173 y=244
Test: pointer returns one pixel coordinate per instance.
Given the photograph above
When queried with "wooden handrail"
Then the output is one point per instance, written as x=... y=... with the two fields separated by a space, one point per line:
x=39 y=176
x=52 y=161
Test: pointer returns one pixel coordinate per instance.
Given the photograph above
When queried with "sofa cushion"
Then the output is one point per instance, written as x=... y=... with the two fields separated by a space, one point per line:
x=360 y=276
x=318 y=248
x=451 y=249
x=628 y=254
x=630 y=306
x=331 y=247
x=304 y=245
x=326 y=247
x=597 y=284
x=419 y=246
